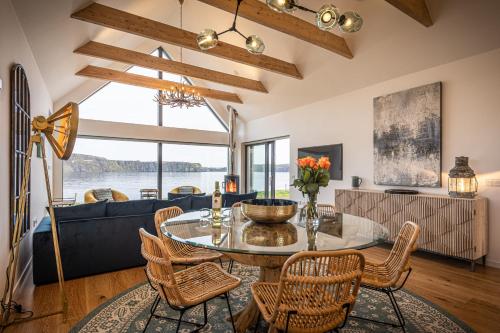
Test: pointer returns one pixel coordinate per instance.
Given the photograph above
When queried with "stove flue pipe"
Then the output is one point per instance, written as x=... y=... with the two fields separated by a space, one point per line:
x=232 y=139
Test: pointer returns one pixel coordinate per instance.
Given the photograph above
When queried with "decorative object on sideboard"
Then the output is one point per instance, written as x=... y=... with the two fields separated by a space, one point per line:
x=407 y=137
x=209 y=38
x=356 y=182
x=334 y=154
x=462 y=182
x=327 y=17
x=401 y=191
x=60 y=130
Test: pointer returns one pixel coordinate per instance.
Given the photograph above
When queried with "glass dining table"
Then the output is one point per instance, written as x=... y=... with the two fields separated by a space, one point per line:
x=268 y=246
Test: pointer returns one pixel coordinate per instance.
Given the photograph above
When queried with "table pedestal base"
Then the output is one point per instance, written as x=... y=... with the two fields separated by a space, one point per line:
x=270 y=271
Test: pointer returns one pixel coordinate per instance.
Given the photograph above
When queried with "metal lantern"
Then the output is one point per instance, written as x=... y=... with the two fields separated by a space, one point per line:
x=462 y=182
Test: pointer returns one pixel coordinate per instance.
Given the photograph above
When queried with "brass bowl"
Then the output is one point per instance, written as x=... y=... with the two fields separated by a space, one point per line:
x=269 y=210
x=272 y=235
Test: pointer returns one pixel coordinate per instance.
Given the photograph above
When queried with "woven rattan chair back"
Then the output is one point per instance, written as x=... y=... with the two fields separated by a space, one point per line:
x=398 y=260
x=159 y=268
x=318 y=287
x=174 y=249
x=326 y=210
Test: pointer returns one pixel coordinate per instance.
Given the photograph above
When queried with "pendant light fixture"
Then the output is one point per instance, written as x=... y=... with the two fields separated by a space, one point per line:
x=180 y=95
x=327 y=17
x=209 y=38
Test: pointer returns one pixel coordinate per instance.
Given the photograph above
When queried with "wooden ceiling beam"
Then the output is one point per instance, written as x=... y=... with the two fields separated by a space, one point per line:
x=150 y=82
x=259 y=12
x=108 y=52
x=416 y=9
x=141 y=26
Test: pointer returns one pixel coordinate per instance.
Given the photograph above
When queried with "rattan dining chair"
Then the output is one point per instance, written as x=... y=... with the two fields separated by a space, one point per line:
x=384 y=276
x=315 y=294
x=326 y=210
x=184 y=289
x=179 y=253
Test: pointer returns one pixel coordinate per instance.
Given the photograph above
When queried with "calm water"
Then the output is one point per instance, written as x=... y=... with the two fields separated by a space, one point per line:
x=130 y=183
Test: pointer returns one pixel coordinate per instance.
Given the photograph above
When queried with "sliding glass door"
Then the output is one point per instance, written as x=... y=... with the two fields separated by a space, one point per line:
x=267 y=168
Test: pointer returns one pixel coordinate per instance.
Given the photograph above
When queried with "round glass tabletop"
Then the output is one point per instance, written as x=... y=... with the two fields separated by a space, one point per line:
x=238 y=234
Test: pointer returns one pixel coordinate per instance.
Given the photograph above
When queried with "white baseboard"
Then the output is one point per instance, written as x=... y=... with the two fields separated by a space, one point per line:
x=492 y=263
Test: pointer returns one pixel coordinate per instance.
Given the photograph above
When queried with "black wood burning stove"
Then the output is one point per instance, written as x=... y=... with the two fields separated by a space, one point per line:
x=232 y=184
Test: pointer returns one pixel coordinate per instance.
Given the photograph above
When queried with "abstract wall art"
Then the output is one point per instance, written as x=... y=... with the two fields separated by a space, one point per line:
x=407 y=137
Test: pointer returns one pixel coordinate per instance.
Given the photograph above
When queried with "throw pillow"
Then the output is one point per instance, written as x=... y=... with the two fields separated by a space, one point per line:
x=103 y=194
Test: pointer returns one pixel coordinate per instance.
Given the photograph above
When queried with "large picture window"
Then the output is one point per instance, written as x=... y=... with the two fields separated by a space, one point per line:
x=193 y=165
x=136 y=105
x=129 y=166
x=126 y=166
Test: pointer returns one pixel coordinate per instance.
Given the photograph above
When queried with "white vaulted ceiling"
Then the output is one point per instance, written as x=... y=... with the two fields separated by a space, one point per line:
x=389 y=45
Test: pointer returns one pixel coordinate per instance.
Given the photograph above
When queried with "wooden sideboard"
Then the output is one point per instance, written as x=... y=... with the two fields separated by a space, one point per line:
x=448 y=226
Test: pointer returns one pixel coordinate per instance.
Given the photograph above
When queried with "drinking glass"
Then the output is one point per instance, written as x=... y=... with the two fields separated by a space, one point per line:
x=205 y=216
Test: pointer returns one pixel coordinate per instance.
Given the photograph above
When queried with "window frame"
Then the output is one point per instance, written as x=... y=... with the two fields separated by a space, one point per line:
x=269 y=164
x=20 y=135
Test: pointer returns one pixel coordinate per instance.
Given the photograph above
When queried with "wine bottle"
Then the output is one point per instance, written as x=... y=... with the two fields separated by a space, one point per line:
x=216 y=204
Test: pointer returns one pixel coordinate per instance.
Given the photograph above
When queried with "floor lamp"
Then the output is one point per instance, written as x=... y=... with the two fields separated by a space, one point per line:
x=60 y=130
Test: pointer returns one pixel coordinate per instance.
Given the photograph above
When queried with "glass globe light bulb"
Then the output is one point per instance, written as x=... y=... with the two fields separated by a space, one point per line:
x=255 y=44
x=281 y=6
x=327 y=17
x=350 y=22
x=207 y=39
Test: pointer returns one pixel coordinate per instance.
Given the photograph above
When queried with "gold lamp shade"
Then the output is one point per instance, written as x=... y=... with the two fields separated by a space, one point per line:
x=60 y=129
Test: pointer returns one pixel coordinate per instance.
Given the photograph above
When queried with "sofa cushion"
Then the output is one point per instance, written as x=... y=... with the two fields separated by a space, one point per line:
x=183 y=203
x=103 y=194
x=172 y=196
x=200 y=202
x=132 y=207
x=80 y=212
x=229 y=199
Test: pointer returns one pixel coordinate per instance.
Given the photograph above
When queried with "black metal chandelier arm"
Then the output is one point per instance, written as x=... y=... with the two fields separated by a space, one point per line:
x=304 y=8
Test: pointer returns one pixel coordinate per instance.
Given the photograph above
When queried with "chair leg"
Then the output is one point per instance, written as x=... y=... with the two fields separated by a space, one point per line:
x=180 y=321
x=152 y=311
x=397 y=310
x=230 y=267
x=230 y=312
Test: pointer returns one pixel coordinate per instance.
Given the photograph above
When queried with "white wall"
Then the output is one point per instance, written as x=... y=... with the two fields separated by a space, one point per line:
x=14 y=48
x=470 y=127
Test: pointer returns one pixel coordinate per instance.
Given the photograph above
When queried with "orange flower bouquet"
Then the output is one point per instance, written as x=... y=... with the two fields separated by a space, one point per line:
x=313 y=174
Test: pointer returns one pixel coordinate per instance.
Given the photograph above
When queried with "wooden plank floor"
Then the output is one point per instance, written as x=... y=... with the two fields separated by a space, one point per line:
x=474 y=297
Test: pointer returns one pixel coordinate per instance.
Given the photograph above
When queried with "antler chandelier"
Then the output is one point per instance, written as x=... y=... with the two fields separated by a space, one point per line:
x=209 y=38
x=180 y=96
x=327 y=17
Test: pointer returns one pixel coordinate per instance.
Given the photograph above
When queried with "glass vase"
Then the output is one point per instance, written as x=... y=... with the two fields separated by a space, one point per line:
x=312 y=207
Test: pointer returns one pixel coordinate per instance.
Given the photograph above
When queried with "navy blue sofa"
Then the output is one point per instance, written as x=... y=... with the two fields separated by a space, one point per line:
x=103 y=236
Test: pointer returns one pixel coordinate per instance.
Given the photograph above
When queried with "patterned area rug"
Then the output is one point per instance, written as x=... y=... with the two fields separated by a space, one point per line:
x=129 y=311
